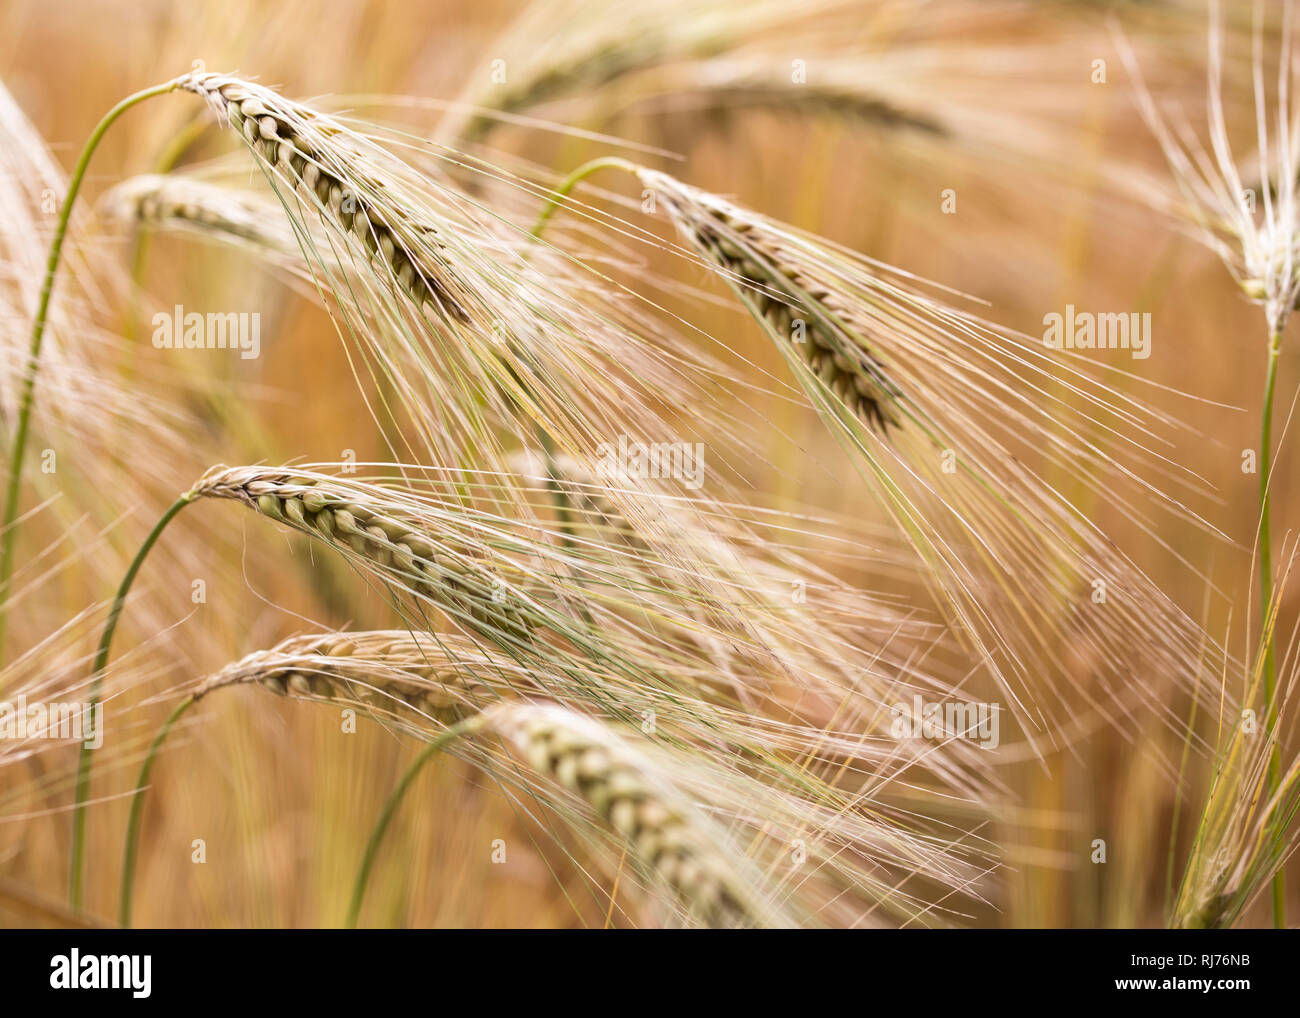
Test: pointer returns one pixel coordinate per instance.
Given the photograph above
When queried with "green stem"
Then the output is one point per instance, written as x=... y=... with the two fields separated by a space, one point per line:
x=137 y=803
x=1170 y=904
x=386 y=816
x=1266 y=602
x=19 y=451
x=76 y=866
x=570 y=182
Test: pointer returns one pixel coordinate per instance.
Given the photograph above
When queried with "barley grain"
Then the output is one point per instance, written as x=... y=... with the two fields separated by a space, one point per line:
x=452 y=576
x=311 y=153
x=628 y=790
x=167 y=199
x=412 y=677
x=801 y=310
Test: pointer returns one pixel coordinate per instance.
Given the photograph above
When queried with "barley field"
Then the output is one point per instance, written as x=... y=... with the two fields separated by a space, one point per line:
x=593 y=464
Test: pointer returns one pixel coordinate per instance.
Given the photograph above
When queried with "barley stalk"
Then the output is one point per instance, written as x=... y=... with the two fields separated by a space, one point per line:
x=13 y=490
x=1245 y=832
x=805 y=311
x=452 y=577
x=583 y=63
x=876 y=345
x=168 y=199
x=331 y=168
x=307 y=151
x=773 y=286
x=424 y=682
x=434 y=681
x=609 y=61
x=723 y=86
x=633 y=794
x=582 y=59
x=847 y=103
x=387 y=534
x=445 y=577
x=215 y=212
x=1260 y=250
x=414 y=677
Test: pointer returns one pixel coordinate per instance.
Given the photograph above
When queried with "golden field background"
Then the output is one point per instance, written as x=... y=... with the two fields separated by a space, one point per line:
x=284 y=801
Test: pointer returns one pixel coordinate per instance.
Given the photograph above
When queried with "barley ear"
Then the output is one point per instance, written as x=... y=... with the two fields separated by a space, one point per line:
x=631 y=792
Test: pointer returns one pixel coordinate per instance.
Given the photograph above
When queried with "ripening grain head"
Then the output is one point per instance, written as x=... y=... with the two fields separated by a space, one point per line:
x=1244 y=209
x=636 y=797
x=941 y=411
x=419 y=680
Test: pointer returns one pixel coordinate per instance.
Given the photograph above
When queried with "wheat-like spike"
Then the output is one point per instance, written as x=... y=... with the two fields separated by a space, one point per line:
x=725 y=85
x=166 y=199
x=225 y=214
x=876 y=343
x=304 y=148
x=451 y=577
x=595 y=50
x=802 y=310
x=630 y=791
x=833 y=101
x=1246 y=832
x=411 y=677
x=609 y=61
x=598 y=48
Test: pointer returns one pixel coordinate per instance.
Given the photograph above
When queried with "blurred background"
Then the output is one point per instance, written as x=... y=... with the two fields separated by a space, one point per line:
x=1052 y=156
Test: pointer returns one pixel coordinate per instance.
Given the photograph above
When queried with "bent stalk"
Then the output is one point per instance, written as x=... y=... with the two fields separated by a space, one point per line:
x=77 y=862
x=137 y=803
x=386 y=815
x=19 y=448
